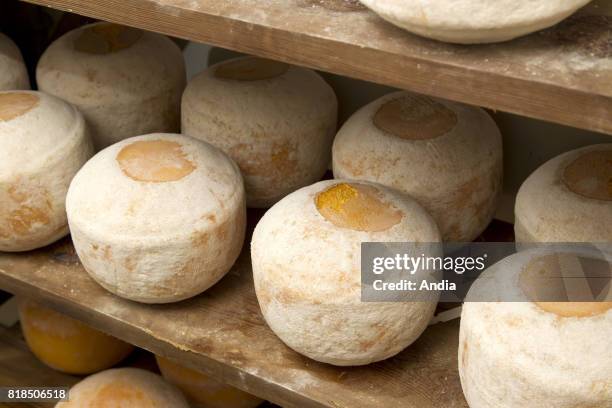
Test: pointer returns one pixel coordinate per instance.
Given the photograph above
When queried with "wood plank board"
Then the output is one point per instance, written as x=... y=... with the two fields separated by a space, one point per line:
x=562 y=75
x=222 y=333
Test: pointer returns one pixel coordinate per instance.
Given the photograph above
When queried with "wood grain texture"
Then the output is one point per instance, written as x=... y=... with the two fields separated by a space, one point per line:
x=562 y=75
x=222 y=333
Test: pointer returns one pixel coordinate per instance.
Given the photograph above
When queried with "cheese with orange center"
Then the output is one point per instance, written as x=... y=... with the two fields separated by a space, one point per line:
x=542 y=282
x=204 y=391
x=155 y=160
x=357 y=207
x=158 y=218
x=526 y=338
x=44 y=143
x=305 y=253
x=568 y=198
x=66 y=344
x=124 y=388
x=446 y=155
x=275 y=120
x=125 y=81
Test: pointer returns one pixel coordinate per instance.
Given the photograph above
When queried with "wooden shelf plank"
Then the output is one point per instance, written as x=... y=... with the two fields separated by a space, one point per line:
x=222 y=332
x=562 y=75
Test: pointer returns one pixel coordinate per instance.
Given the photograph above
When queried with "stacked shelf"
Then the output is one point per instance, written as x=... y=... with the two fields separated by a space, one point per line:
x=222 y=332
x=563 y=75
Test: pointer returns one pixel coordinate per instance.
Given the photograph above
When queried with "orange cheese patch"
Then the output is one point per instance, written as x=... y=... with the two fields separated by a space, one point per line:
x=590 y=175
x=106 y=38
x=542 y=279
x=415 y=118
x=15 y=104
x=357 y=207
x=157 y=161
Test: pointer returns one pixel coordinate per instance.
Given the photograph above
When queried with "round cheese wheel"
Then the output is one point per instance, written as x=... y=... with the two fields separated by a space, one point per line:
x=446 y=155
x=529 y=352
x=44 y=143
x=473 y=21
x=125 y=81
x=203 y=391
x=307 y=271
x=568 y=199
x=275 y=120
x=66 y=344
x=124 y=388
x=13 y=72
x=157 y=218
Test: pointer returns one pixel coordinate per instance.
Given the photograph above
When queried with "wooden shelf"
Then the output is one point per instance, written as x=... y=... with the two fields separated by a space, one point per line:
x=562 y=75
x=222 y=332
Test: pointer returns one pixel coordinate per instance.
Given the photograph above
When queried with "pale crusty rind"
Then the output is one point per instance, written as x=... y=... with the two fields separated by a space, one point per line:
x=124 y=388
x=130 y=92
x=547 y=210
x=456 y=176
x=516 y=354
x=158 y=242
x=308 y=281
x=13 y=72
x=42 y=150
x=278 y=130
x=474 y=21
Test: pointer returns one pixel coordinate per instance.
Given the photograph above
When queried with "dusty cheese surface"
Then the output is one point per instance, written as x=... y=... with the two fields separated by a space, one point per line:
x=166 y=212
x=446 y=155
x=537 y=354
x=13 y=72
x=125 y=81
x=44 y=143
x=474 y=21
x=275 y=120
x=568 y=198
x=306 y=268
x=124 y=388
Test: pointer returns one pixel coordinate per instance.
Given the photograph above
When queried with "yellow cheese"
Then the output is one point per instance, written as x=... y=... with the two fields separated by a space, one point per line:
x=66 y=344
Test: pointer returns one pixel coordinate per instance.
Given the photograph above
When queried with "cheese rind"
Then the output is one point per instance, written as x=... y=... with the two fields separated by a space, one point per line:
x=537 y=354
x=446 y=155
x=13 y=72
x=125 y=81
x=307 y=272
x=275 y=120
x=124 y=388
x=158 y=218
x=44 y=143
x=567 y=199
x=474 y=21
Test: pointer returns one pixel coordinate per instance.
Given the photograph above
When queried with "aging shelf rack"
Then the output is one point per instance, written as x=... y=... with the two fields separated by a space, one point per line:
x=562 y=75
